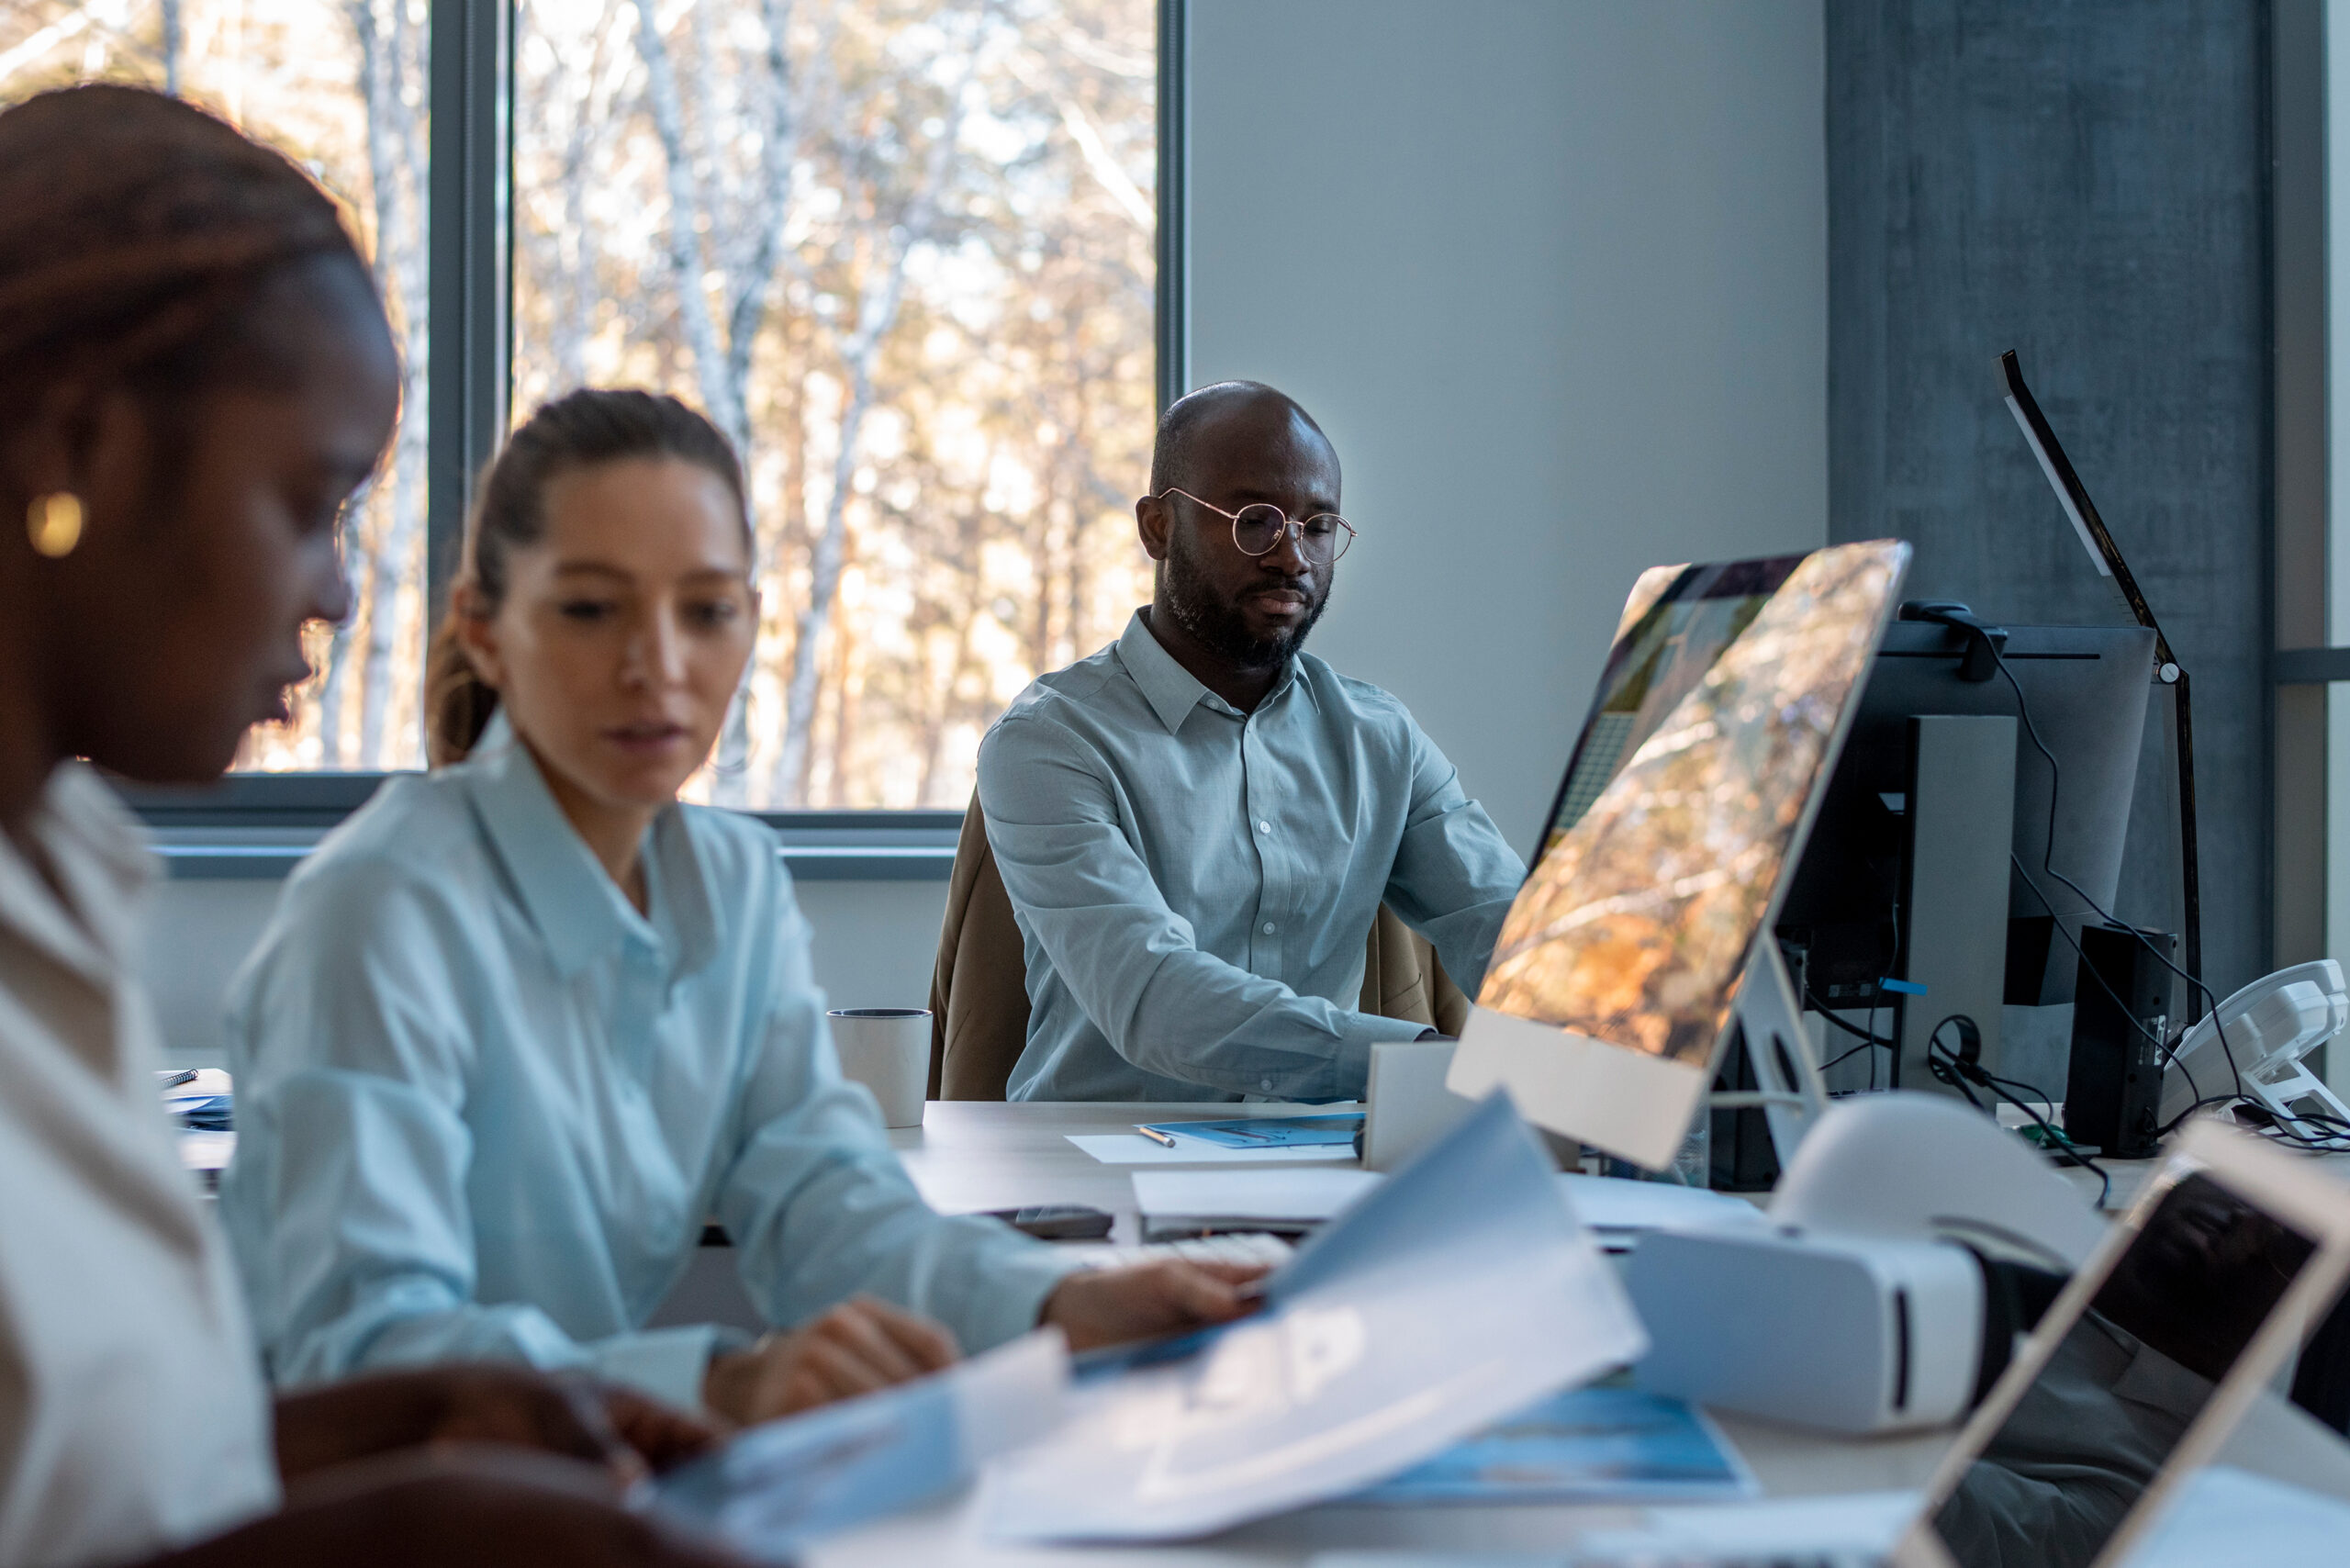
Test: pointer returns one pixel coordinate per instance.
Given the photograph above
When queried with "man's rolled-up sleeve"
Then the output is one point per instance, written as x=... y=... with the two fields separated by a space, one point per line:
x=1056 y=820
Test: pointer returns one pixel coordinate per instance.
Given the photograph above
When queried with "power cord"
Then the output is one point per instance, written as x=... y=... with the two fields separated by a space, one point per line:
x=2047 y=866
x=2281 y=1130
x=1962 y=1069
x=2330 y=1130
x=2170 y=1056
x=1868 y=1037
x=2325 y=1142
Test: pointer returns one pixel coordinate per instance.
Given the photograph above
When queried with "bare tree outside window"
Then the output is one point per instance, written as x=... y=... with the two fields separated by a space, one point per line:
x=340 y=87
x=900 y=250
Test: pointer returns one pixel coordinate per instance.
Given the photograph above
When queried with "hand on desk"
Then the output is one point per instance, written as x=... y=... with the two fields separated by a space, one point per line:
x=857 y=1347
x=1107 y=1306
x=624 y=1433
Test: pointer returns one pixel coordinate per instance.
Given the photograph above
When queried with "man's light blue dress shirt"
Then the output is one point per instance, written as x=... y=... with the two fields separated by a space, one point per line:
x=484 y=1107
x=1194 y=884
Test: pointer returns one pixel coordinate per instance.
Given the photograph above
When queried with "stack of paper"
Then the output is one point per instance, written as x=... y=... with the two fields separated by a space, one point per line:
x=1446 y=1298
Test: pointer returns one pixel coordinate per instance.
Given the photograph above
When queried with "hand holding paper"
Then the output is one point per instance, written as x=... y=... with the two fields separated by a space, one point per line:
x=1457 y=1292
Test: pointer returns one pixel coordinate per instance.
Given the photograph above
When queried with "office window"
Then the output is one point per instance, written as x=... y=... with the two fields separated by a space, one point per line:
x=902 y=251
x=338 y=85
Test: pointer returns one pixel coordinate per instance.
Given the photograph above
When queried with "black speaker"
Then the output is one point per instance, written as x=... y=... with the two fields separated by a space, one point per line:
x=2120 y=1007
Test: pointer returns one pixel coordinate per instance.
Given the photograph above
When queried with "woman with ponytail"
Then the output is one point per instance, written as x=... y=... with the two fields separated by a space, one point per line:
x=194 y=376
x=522 y=1025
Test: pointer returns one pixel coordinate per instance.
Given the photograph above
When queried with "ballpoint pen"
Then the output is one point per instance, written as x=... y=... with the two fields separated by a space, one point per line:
x=1155 y=1136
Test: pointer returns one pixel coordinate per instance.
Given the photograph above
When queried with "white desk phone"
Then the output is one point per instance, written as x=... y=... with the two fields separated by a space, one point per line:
x=2271 y=1026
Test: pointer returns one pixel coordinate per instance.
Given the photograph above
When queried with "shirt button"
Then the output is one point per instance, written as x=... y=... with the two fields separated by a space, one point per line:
x=1264 y=827
x=1269 y=928
x=1266 y=1084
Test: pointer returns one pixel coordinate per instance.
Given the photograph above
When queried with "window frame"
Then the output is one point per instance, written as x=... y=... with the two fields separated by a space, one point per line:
x=2310 y=521
x=258 y=825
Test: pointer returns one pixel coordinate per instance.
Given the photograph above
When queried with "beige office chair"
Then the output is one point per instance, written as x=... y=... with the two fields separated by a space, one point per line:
x=979 y=992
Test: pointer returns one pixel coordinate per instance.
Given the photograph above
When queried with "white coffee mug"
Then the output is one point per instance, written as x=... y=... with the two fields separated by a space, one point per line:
x=888 y=1050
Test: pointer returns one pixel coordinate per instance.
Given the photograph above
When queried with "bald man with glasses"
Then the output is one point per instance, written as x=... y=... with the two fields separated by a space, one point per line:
x=1198 y=823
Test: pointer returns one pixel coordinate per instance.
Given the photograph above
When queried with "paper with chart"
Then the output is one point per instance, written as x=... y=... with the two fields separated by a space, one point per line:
x=1601 y=1444
x=773 y=1486
x=1263 y=1131
x=1452 y=1295
x=1133 y=1149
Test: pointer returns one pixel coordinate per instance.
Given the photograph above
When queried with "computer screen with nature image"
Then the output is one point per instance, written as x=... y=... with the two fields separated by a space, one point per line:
x=1724 y=701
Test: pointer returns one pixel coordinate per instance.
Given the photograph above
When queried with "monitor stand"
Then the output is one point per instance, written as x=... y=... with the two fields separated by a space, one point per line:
x=1789 y=1090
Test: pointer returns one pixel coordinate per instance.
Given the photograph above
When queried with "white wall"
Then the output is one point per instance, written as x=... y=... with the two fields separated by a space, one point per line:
x=1553 y=276
x=1553 y=273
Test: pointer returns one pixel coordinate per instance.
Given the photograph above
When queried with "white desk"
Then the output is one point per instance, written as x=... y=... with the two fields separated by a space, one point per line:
x=971 y=1156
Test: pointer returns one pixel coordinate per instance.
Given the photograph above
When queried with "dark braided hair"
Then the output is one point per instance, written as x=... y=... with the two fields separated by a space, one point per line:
x=135 y=230
x=577 y=431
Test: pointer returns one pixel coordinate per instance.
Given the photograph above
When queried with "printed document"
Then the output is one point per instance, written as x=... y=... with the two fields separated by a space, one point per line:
x=1454 y=1294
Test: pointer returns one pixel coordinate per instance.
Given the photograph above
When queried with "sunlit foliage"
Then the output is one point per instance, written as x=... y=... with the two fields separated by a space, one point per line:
x=900 y=250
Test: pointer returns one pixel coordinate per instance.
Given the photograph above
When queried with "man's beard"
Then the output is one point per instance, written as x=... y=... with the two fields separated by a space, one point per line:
x=1221 y=626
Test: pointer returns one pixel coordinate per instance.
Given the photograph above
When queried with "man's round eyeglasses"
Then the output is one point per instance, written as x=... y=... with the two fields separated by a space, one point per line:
x=1259 y=527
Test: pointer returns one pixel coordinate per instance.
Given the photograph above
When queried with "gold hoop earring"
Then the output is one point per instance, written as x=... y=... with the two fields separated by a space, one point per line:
x=54 y=524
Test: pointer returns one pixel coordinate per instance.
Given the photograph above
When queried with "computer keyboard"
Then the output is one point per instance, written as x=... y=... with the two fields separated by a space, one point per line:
x=1247 y=1247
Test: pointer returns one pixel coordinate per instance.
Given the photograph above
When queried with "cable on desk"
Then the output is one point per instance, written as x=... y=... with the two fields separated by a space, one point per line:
x=1961 y=1069
x=2047 y=866
x=2277 y=1129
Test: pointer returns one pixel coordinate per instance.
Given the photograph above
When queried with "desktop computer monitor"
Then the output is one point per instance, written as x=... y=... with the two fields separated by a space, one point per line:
x=1696 y=774
x=2086 y=687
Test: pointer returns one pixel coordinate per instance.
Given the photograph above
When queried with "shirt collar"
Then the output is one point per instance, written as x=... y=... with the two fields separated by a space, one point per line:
x=581 y=914
x=99 y=854
x=2155 y=1380
x=1171 y=690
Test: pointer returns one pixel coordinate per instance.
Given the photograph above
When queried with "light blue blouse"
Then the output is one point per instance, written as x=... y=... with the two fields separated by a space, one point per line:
x=484 y=1107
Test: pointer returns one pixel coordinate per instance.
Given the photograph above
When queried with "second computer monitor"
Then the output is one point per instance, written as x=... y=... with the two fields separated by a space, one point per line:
x=2086 y=688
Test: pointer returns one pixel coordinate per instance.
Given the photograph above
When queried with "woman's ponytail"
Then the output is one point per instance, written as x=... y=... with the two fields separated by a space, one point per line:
x=457 y=702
